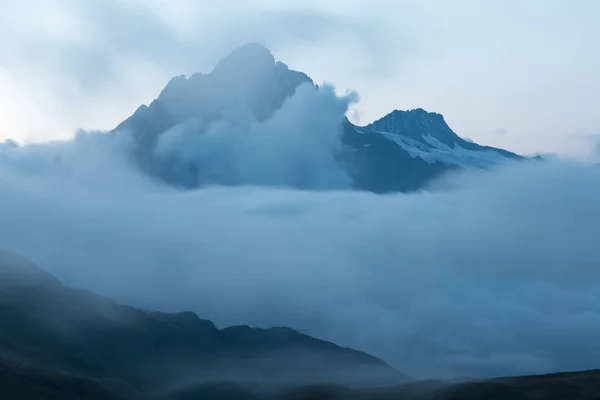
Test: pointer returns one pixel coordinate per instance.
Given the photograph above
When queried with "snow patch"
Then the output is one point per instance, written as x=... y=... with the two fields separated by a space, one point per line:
x=435 y=151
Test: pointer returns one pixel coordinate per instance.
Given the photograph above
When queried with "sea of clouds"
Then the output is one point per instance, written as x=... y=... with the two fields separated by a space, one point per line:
x=485 y=273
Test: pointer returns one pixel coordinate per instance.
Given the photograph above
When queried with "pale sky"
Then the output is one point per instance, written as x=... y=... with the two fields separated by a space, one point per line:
x=517 y=74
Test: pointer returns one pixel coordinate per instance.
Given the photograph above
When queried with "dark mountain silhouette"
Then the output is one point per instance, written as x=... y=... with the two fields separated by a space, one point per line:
x=400 y=152
x=84 y=340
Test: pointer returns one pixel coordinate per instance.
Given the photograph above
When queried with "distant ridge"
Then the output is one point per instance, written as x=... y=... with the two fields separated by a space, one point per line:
x=63 y=333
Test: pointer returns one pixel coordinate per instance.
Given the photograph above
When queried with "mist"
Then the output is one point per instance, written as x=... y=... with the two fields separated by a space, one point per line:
x=296 y=147
x=483 y=274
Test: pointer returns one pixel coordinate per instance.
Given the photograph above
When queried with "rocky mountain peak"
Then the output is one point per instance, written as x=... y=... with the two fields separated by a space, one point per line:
x=248 y=59
x=416 y=124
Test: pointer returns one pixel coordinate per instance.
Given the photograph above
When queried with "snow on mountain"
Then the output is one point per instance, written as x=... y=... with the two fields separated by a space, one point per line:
x=427 y=136
x=435 y=150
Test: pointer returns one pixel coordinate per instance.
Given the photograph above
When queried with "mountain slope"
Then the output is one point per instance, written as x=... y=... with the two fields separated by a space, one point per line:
x=405 y=150
x=400 y=152
x=59 y=330
x=426 y=135
x=20 y=383
x=583 y=385
x=380 y=165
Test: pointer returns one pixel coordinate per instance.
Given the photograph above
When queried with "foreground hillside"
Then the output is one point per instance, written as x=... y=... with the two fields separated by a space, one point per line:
x=562 y=386
x=52 y=333
x=28 y=384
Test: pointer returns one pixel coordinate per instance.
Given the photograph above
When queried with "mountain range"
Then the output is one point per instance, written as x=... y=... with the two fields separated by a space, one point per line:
x=400 y=152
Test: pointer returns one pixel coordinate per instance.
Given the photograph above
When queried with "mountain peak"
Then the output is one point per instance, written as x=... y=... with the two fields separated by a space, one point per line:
x=415 y=113
x=248 y=79
x=416 y=124
x=250 y=57
x=421 y=113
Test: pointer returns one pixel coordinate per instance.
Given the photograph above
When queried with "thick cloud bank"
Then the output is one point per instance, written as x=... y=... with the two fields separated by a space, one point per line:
x=486 y=274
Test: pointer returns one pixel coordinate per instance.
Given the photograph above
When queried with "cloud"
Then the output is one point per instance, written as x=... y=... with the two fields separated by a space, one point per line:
x=488 y=274
x=88 y=44
x=296 y=147
x=587 y=144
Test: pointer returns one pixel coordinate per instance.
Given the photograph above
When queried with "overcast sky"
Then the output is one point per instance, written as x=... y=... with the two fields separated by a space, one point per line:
x=518 y=74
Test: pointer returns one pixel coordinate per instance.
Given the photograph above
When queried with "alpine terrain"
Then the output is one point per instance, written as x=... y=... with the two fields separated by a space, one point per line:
x=400 y=152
